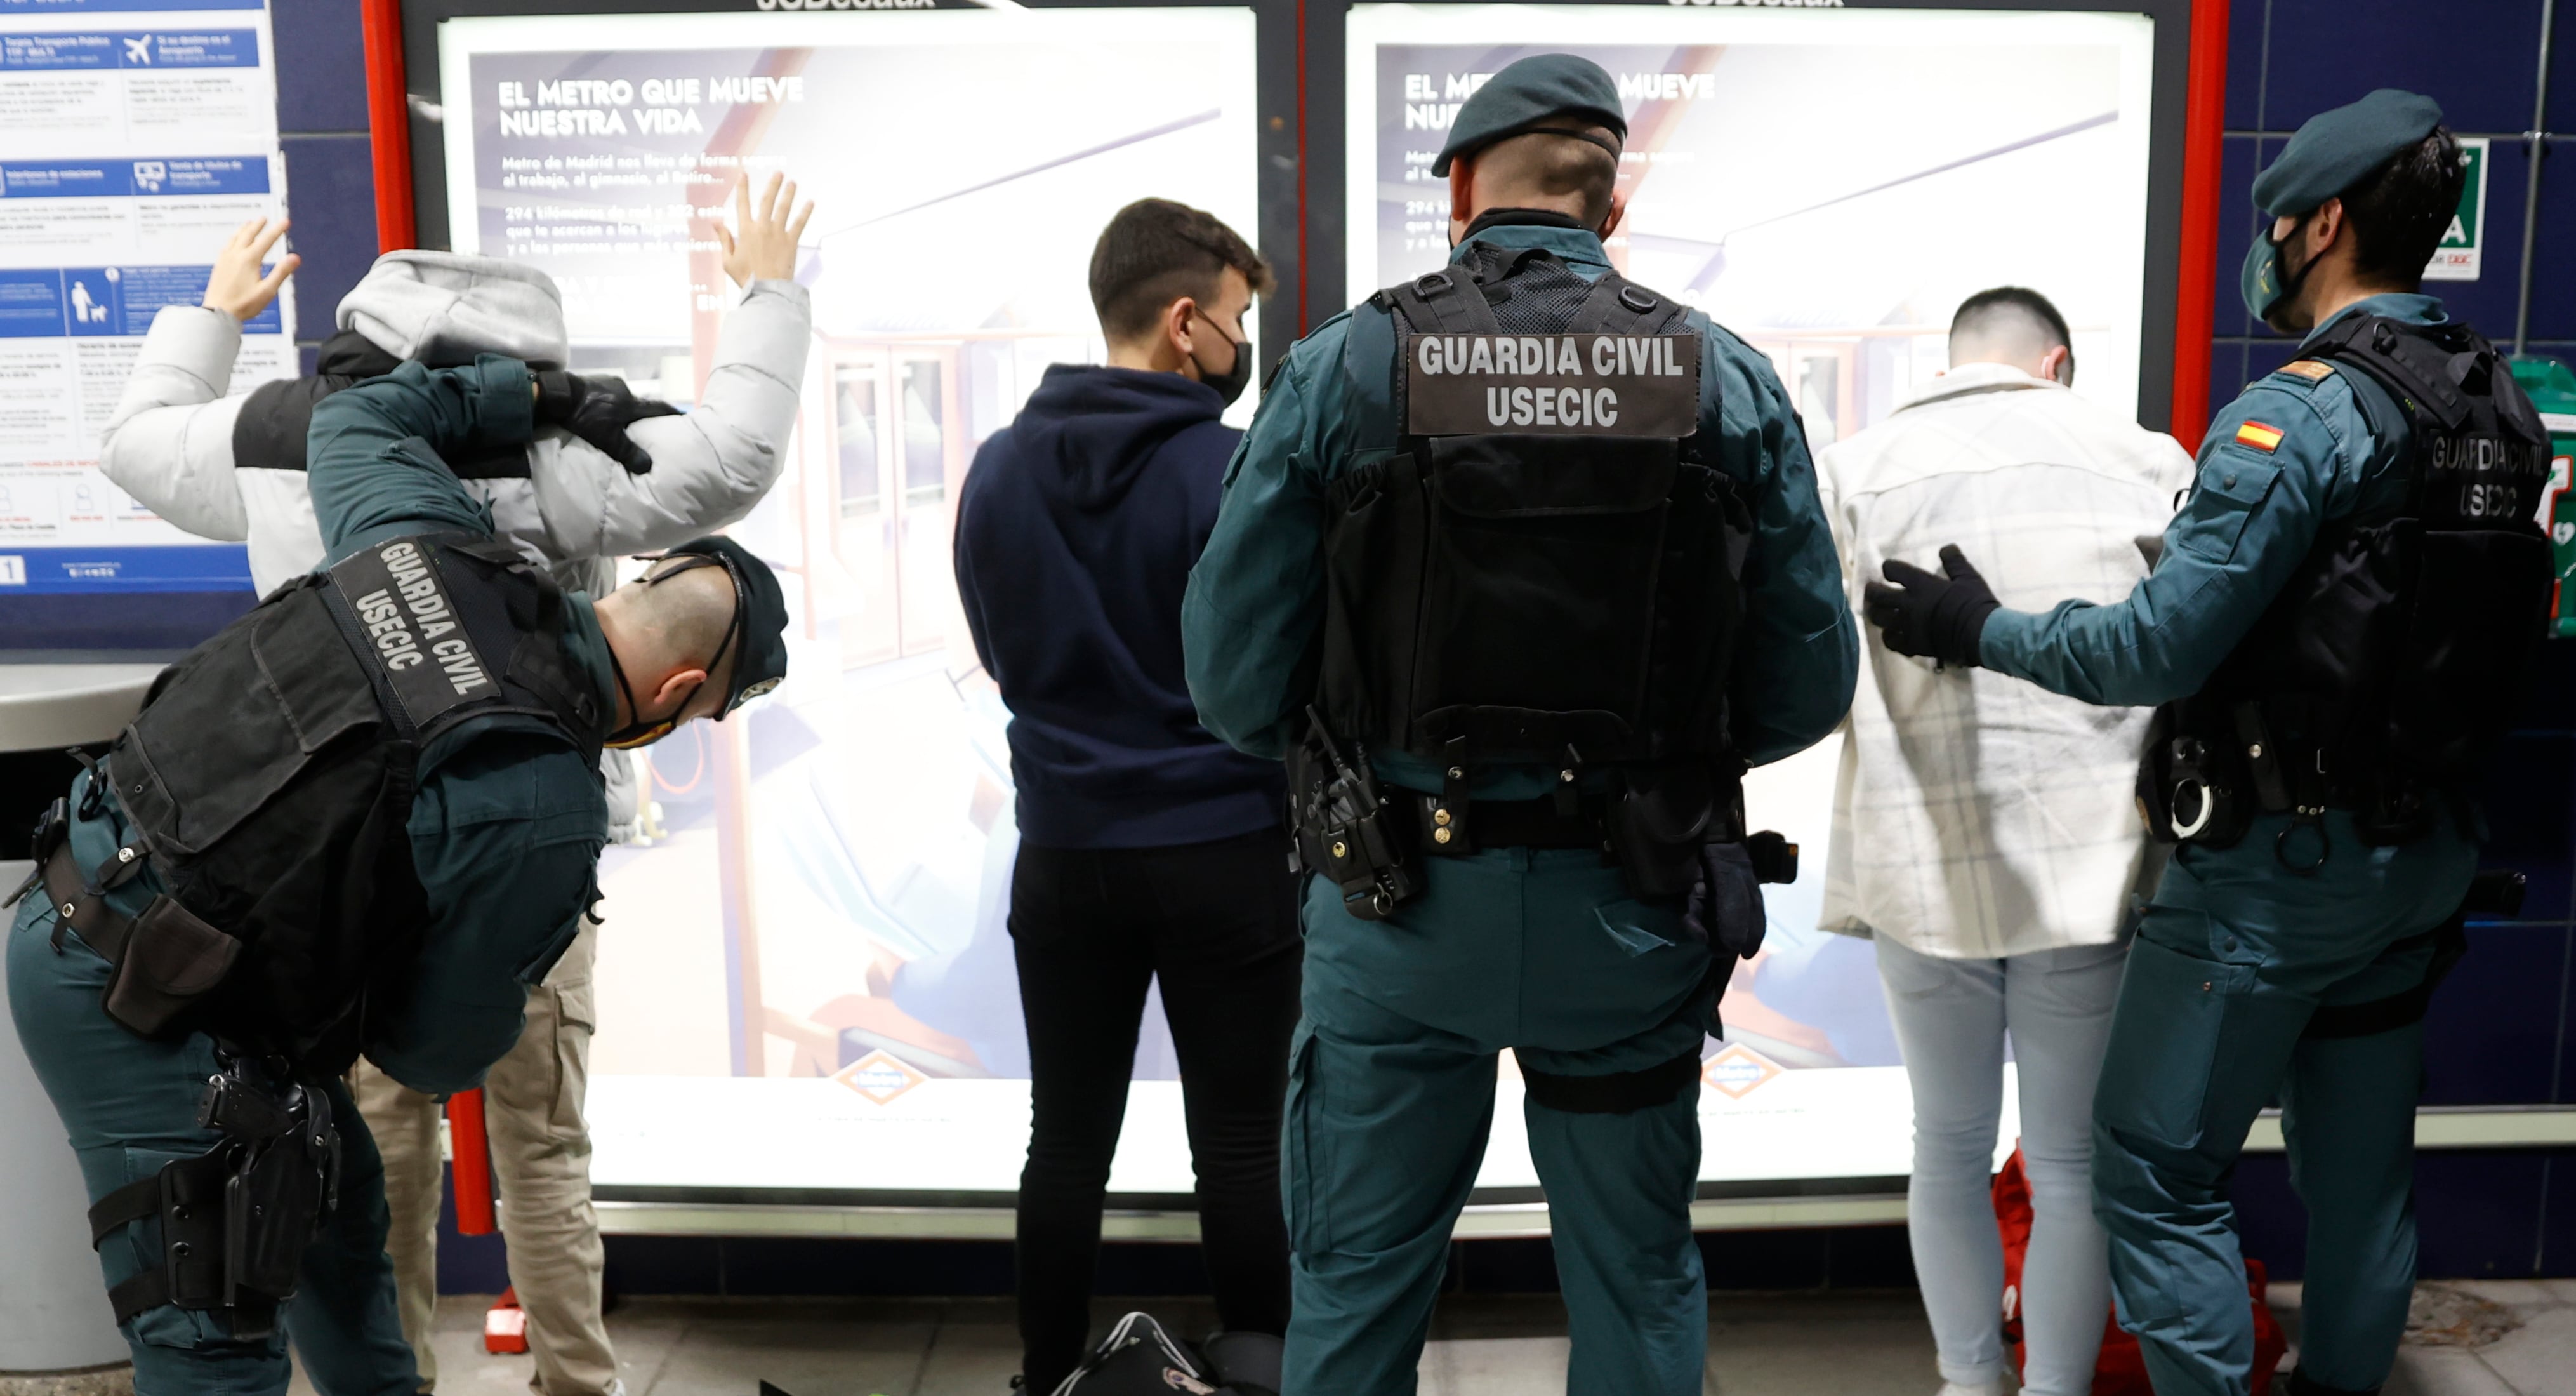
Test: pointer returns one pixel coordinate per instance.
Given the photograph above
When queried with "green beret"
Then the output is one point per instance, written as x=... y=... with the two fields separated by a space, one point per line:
x=2335 y=149
x=1526 y=94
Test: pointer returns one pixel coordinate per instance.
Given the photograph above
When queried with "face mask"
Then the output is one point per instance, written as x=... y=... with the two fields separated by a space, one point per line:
x=2265 y=287
x=637 y=732
x=1230 y=384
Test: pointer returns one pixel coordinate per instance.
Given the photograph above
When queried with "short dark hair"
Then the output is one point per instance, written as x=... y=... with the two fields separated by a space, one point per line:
x=1979 y=314
x=2401 y=210
x=1156 y=251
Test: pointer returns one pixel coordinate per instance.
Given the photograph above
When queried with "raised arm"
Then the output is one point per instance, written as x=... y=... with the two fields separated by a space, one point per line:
x=373 y=461
x=170 y=444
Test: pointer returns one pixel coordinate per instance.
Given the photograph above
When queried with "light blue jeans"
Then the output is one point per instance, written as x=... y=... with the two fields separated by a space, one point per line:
x=1952 y=1017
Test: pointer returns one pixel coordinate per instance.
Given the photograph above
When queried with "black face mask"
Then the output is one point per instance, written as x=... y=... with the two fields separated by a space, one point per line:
x=1230 y=384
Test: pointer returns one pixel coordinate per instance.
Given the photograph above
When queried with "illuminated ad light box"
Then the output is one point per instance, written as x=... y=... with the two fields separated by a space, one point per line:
x=805 y=981
x=805 y=991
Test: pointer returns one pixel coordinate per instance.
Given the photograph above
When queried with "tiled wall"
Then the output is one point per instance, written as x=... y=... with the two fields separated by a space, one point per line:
x=2499 y=1030
x=330 y=175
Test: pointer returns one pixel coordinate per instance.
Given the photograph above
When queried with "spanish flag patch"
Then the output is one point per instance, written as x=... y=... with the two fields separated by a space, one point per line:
x=2258 y=436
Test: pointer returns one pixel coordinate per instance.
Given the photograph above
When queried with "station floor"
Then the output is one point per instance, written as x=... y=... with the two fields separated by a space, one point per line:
x=2513 y=1338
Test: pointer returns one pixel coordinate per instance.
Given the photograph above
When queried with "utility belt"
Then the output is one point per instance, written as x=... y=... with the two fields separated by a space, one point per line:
x=1651 y=824
x=2211 y=769
x=164 y=960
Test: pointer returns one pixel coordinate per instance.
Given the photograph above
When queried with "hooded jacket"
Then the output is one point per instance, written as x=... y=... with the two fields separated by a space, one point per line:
x=1076 y=532
x=172 y=441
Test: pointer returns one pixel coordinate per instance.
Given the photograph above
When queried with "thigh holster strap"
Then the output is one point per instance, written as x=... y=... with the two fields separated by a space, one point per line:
x=1619 y=1093
x=188 y=1198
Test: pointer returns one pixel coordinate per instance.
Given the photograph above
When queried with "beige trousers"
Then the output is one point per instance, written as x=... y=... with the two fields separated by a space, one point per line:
x=532 y=1108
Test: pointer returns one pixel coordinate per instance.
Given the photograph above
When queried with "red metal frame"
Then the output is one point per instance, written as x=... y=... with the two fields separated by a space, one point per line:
x=2204 y=140
x=471 y=1146
x=389 y=125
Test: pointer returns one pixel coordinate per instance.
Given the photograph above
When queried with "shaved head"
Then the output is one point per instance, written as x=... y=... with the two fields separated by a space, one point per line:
x=1539 y=169
x=670 y=623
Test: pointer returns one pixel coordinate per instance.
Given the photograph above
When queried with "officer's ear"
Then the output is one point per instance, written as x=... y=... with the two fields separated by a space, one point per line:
x=1462 y=196
x=2324 y=226
x=673 y=688
x=1618 y=211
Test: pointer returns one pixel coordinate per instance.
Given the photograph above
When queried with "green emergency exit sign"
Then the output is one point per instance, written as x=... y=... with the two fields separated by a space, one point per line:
x=2457 y=258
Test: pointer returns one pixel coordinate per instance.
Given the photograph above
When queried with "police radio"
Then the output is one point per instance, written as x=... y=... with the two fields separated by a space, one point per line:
x=1344 y=827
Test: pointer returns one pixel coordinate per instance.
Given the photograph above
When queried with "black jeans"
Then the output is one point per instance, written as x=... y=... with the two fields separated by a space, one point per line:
x=1090 y=928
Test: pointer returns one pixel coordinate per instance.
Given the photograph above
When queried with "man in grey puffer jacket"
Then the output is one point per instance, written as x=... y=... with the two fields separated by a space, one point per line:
x=231 y=469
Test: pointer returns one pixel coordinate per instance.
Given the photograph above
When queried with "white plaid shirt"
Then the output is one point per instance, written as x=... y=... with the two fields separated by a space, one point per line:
x=1978 y=816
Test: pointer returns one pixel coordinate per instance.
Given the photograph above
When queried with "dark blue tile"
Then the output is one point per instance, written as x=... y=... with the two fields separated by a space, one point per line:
x=2558 y=1215
x=321 y=65
x=308 y=358
x=2245 y=64
x=2477 y=1215
x=2545 y=705
x=2491 y=1036
x=2553 y=281
x=1767 y=1259
x=2238 y=225
x=331 y=194
x=2262 y=356
x=468 y=1264
x=2226 y=373
x=2472 y=56
x=664 y=1264
x=2271 y=1225
x=2526 y=800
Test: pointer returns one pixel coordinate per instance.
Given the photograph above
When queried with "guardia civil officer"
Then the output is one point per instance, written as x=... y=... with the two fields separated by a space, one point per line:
x=2335 y=628
x=364 y=817
x=1520 y=564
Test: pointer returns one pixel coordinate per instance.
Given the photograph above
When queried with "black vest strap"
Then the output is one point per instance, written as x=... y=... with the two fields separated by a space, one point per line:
x=1447 y=301
x=1620 y=306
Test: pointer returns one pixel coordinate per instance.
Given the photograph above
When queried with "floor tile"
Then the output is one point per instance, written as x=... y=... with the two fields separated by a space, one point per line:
x=2449 y=1372
x=1532 y=1366
x=1817 y=1349
x=2538 y=1359
x=975 y=1352
x=2514 y=1294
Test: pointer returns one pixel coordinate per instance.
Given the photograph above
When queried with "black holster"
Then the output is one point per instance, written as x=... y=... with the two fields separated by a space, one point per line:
x=235 y=1220
x=1345 y=830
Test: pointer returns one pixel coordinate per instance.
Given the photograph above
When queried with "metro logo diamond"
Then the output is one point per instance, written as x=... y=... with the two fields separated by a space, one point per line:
x=1738 y=1071
x=880 y=1076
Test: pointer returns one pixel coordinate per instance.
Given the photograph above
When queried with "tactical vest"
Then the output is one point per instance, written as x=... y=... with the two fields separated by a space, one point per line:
x=2383 y=674
x=269 y=776
x=1533 y=558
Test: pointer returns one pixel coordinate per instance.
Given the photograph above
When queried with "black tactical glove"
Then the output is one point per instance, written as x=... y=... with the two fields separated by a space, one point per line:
x=1940 y=618
x=598 y=410
x=1724 y=909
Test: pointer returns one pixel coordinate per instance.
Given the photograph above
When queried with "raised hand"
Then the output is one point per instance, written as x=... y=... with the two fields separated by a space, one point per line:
x=765 y=249
x=236 y=287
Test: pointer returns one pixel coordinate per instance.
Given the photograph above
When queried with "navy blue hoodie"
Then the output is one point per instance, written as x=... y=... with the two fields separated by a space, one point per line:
x=1076 y=532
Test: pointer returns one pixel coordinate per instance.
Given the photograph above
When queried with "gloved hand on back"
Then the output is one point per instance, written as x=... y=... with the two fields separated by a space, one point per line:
x=1940 y=618
x=598 y=411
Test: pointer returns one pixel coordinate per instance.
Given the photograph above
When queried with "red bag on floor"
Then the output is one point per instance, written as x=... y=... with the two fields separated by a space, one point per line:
x=2121 y=1370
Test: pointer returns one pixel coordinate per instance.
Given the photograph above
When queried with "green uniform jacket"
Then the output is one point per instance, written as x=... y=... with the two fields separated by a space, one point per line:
x=1255 y=604
x=2248 y=523
x=508 y=823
